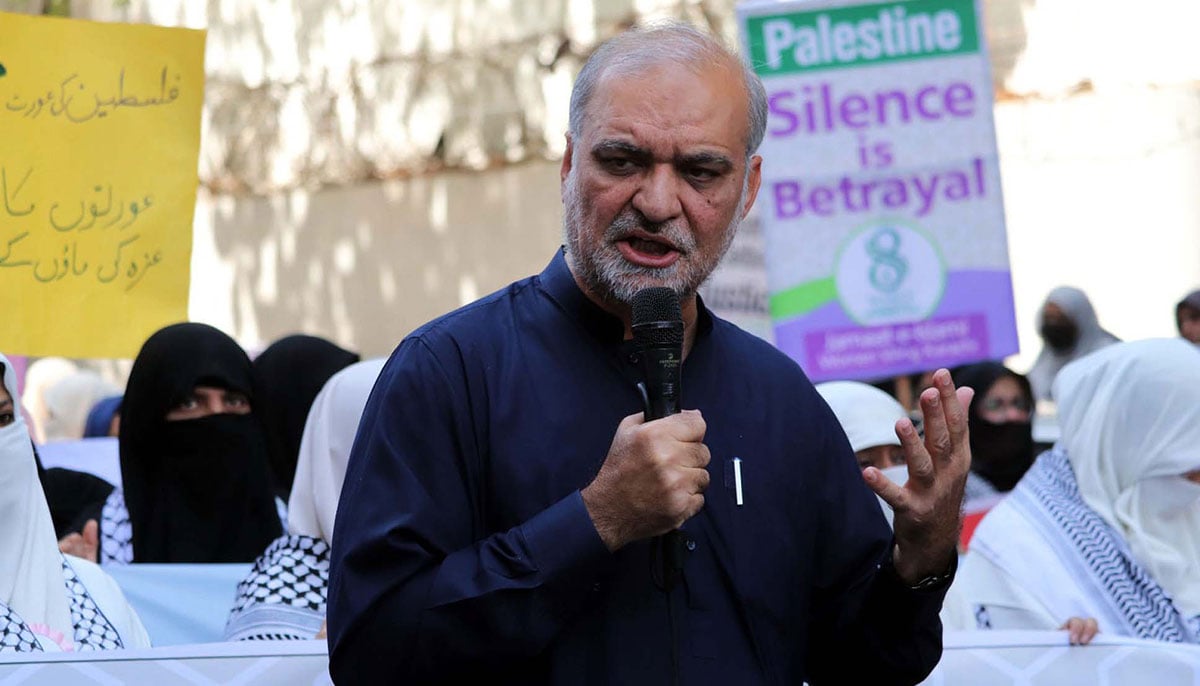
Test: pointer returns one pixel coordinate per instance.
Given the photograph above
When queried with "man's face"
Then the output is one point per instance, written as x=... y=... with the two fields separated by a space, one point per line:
x=656 y=183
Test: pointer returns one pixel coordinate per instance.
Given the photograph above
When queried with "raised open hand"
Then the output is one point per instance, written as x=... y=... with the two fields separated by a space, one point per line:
x=928 y=509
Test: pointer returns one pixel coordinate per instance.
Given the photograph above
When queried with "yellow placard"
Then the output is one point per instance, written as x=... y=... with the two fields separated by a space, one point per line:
x=99 y=140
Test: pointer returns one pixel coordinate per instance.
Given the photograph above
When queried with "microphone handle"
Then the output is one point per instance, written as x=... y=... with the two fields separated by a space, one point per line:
x=672 y=545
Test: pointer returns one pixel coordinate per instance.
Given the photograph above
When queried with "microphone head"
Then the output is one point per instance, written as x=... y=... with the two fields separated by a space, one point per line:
x=657 y=317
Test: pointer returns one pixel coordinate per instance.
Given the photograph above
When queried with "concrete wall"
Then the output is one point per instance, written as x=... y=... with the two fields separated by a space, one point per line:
x=363 y=265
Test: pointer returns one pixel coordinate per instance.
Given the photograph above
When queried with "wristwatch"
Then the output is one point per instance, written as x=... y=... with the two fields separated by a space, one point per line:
x=933 y=581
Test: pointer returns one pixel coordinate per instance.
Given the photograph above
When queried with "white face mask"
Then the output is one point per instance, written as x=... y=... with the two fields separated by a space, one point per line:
x=1167 y=497
x=898 y=474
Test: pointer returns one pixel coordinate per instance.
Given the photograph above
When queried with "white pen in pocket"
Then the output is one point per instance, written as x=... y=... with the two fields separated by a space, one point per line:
x=737 y=480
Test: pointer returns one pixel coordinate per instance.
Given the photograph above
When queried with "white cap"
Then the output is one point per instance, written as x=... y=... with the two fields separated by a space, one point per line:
x=867 y=414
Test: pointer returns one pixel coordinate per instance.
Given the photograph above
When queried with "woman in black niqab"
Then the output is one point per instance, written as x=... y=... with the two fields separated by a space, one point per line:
x=1001 y=428
x=197 y=490
x=288 y=376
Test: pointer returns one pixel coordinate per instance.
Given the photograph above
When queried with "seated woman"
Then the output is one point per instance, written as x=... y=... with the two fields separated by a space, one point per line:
x=283 y=597
x=48 y=601
x=1000 y=422
x=1107 y=524
x=195 y=481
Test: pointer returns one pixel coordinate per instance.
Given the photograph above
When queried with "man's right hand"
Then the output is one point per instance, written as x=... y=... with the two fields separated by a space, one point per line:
x=653 y=479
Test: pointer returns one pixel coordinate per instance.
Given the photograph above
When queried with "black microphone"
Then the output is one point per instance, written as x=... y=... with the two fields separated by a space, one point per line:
x=658 y=332
x=657 y=324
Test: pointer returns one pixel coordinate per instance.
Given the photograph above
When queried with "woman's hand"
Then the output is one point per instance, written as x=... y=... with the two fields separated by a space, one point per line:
x=85 y=545
x=1081 y=630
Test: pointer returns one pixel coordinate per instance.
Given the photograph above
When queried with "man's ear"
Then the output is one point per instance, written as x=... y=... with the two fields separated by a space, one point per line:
x=753 y=182
x=565 y=170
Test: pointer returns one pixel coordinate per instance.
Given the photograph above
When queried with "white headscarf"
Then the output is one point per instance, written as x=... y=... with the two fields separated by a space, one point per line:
x=68 y=401
x=1130 y=417
x=31 y=573
x=40 y=376
x=867 y=414
x=325 y=449
x=1075 y=304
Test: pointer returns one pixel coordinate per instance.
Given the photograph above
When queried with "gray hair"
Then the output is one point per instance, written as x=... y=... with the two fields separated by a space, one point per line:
x=676 y=42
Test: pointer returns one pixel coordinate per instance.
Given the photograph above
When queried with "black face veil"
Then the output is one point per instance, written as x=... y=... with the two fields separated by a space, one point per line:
x=197 y=490
x=1000 y=453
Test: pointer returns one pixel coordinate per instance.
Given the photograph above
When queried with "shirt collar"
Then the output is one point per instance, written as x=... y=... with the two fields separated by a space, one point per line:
x=557 y=282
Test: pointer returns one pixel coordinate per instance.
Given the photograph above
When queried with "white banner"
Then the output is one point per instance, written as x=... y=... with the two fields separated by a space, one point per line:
x=974 y=658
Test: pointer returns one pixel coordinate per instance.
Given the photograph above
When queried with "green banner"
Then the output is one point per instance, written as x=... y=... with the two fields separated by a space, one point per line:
x=861 y=35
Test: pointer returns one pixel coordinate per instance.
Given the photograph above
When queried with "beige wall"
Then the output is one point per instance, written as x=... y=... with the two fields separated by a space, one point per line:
x=366 y=264
x=1102 y=191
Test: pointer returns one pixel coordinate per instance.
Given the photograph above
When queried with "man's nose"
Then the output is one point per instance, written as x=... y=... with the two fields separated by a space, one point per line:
x=657 y=197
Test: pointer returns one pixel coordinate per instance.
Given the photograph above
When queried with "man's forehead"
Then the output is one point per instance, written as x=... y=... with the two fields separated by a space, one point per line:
x=690 y=108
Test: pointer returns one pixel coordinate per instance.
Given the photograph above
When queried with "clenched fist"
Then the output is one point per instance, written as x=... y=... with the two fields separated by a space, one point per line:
x=653 y=479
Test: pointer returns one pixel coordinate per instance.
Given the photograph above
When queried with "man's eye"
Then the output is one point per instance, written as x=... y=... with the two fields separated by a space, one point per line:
x=702 y=174
x=619 y=164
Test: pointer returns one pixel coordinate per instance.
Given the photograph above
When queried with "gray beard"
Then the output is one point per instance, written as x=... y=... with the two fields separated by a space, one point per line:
x=610 y=277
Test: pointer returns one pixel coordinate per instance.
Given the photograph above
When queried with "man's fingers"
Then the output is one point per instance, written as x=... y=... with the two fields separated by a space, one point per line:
x=702 y=480
x=688 y=426
x=698 y=456
x=695 y=504
x=630 y=421
x=953 y=409
x=885 y=488
x=937 y=434
x=916 y=457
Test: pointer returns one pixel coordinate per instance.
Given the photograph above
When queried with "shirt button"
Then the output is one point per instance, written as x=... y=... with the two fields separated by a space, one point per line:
x=691 y=544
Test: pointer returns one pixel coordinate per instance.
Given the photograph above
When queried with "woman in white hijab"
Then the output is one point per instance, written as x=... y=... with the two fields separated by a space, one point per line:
x=1107 y=524
x=48 y=601
x=283 y=596
x=68 y=401
x=1069 y=329
x=41 y=375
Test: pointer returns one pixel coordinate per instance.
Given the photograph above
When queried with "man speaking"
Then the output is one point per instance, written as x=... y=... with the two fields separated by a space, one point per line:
x=504 y=510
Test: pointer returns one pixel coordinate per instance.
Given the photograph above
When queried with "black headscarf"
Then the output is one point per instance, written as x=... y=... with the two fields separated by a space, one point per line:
x=197 y=490
x=73 y=497
x=1000 y=453
x=288 y=376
